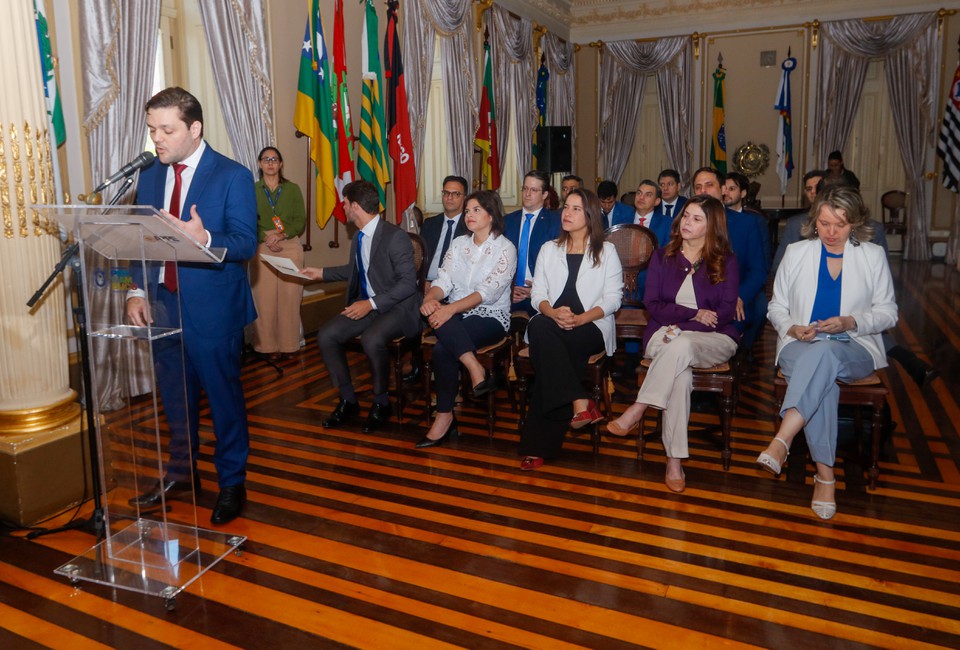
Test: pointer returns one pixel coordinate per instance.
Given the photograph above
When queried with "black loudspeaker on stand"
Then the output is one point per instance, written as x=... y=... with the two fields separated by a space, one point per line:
x=555 y=145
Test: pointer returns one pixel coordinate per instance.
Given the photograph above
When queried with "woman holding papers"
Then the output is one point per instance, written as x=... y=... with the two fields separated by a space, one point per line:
x=282 y=218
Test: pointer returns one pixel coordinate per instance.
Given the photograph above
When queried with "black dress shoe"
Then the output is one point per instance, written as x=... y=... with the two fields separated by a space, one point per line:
x=166 y=489
x=344 y=411
x=923 y=374
x=451 y=432
x=485 y=387
x=412 y=377
x=379 y=414
x=230 y=504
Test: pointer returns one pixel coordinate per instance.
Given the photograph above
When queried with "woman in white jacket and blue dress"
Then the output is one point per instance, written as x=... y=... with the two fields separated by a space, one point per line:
x=832 y=299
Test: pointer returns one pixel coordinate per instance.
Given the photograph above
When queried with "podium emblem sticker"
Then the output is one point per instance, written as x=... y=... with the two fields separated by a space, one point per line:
x=120 y=280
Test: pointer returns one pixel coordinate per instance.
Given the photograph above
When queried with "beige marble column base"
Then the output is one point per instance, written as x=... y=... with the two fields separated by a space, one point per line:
x=43 y=473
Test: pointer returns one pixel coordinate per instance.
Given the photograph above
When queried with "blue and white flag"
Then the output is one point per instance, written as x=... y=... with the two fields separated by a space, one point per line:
x=785 y=128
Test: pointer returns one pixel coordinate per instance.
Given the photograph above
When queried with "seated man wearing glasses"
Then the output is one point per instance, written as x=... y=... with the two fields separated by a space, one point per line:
x=438 y=231
x=529 y=228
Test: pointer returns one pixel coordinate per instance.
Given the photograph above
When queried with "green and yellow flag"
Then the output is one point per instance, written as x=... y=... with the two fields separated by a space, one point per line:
x=718 y=146
x=313 y=114
x=372 y=155
x=50 y=89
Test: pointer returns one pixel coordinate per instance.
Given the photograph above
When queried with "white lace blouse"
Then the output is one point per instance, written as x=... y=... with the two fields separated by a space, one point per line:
x=487 y=269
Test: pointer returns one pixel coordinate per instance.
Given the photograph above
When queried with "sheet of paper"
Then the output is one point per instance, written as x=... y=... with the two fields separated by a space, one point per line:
x=284 y=265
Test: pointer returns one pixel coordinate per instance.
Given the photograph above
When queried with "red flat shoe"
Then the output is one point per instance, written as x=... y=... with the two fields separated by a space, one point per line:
x=591 y=415
x=530 y=463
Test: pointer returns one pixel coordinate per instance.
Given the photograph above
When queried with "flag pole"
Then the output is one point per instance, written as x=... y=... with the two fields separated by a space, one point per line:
x=300 y=134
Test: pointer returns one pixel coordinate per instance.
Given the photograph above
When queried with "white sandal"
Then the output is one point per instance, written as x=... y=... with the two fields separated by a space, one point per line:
x=771 y=464
x=824 y=509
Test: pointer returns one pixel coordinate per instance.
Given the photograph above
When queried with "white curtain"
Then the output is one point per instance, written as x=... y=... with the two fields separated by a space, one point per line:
x=237 y=40
x=514 y=83
x=561 y=98
x=623 y=72
x=118 y=45
x=908 y=44
x=452 y=21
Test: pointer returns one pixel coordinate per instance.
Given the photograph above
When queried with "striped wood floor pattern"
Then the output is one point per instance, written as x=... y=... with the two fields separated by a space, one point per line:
x=362 y=541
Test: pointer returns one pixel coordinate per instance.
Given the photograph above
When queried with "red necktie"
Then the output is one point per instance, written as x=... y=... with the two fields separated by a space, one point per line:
x=170 y=268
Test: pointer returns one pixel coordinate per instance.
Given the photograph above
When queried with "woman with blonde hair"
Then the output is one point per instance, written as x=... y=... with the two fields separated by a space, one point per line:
x=832 y=299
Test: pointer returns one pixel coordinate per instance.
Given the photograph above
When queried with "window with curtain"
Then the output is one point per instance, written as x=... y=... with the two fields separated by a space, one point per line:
x=648 y=154
x=435 y=163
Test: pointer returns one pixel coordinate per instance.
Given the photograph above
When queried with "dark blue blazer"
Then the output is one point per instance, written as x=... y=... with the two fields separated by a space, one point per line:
x=215 y=299
x=659 y=224
x=546 y=227
x=747 y=241
x=621 y=213
x=677 y=208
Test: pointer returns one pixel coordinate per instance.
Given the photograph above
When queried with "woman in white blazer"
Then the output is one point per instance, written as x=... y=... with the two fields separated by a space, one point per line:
x=577 y=289
x=832 y=299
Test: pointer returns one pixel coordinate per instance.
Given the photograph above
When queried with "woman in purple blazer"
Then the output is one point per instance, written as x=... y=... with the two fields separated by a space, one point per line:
x=691 y=297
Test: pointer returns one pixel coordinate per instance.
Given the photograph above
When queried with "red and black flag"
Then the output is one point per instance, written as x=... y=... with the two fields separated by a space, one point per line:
x=398 y=120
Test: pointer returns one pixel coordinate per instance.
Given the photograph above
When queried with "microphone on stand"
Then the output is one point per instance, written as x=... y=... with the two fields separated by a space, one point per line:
x=137 y=163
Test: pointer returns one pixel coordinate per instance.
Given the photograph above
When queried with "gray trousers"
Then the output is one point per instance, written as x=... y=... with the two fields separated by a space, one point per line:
x=812 y=370
x=669 y=379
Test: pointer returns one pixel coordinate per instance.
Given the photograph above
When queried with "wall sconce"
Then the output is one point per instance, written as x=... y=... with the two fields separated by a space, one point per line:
x=695 y=38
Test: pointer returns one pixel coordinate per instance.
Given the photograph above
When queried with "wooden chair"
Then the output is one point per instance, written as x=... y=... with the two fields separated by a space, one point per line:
x=493 y=358
x=722 y=380
x=870 y=392
x=894 y=208
x=635 y=245
x=595 y=377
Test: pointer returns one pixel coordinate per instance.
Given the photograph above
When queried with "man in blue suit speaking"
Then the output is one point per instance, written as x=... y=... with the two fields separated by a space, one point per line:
x=212 y=199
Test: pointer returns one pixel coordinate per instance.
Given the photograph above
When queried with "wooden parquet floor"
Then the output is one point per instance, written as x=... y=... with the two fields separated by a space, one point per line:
x=362 y=541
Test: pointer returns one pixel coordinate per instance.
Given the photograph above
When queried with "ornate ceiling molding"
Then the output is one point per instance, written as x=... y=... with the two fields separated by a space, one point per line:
x=582 y=21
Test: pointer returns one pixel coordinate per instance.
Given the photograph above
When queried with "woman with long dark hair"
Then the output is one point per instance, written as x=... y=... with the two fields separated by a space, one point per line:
x=691 y=297
x=475 y=278
x=577 y=289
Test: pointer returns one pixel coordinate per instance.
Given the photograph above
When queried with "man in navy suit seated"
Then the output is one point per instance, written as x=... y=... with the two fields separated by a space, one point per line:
x=569 y=183
x=610 y=207
x=646 y=201
x=438 y=231
x=747 y=240
x=671 y=203
x=529 y=228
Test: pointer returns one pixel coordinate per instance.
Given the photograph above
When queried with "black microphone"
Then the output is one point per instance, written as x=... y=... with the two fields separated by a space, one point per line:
x=139 y=162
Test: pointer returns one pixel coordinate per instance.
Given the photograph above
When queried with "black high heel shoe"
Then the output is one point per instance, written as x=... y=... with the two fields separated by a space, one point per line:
x=452 y=432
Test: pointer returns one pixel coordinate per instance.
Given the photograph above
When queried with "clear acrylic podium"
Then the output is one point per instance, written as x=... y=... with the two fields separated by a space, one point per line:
x=159 y=550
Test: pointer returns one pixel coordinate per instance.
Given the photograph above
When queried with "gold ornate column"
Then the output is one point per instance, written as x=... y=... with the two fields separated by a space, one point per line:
x=40 y=459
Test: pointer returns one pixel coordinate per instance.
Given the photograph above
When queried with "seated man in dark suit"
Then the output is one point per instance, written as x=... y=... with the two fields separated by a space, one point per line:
x=569 y=183
x=529 y=228
x=438 y=231
x=671 y=203
x=610 y=207
x=734 y=191
x=382 y=303
x=646 y=203
x=747 y=235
